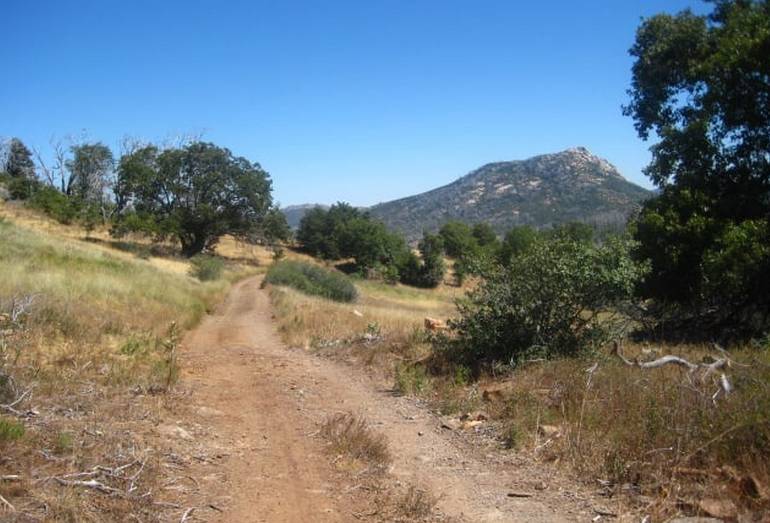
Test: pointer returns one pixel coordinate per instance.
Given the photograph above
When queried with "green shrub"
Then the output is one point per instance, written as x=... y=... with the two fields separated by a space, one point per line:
x=55 y=204
x=558 y=298
x=206 y=267
x=411 y=379
x=10 y=430
x=22 y=188
x=312 y=279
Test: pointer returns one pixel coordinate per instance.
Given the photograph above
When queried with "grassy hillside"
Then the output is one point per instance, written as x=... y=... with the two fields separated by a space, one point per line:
x=89 y=335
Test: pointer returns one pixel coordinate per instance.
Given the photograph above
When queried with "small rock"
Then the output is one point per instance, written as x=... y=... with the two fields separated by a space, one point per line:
x=175 y=431
x=549 y=431
x=433 y=324
x=718 y=508
x=420 y=433
x=451 y=423
x=357 y=313
x=602 y=511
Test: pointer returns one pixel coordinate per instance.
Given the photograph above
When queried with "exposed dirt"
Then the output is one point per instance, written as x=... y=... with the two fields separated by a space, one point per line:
x=254 y=410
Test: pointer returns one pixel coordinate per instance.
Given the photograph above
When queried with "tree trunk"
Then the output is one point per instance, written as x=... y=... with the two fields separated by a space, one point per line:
x=193 y=244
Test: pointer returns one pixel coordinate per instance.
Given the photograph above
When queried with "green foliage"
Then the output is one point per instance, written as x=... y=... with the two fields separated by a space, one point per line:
x=428 y=272
x=577 y=231
x=90 y=171
x=410 y=379
x=206 y=267
x=370 y=243
x=312 y=279
x=696 y=86
x=433 y=266
x=19 y=163
x=197 y=194
x=22 y=188
x=485 y=235
x=275 y=226
x=343 y=231
x=459 y=239
x=517 y=241
x=554 y=299
x=319 y=230
x=54 y=203
x=64 y=443
x=10 y=430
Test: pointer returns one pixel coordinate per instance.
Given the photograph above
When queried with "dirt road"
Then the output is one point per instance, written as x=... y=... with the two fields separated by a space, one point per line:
x=257 y=407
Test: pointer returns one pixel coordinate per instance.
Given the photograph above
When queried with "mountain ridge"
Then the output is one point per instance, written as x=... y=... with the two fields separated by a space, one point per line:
x=541 y=191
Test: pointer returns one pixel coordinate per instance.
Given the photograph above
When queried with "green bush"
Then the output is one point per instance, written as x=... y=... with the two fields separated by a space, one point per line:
x=206 y=267
x=22 y=188
x=54 y=203
x=312 y=279
x=410 y=379
x=557 y=298
x=10 y=430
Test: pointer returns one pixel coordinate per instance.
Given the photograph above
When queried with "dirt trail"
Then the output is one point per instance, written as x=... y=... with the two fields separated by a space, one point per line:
x=258 y=405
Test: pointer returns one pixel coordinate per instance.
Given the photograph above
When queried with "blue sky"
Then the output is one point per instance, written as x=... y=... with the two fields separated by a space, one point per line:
x=361 y=101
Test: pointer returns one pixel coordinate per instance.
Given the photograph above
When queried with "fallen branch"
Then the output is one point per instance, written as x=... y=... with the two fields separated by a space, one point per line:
x=187 y=514
x=706 y=368
x=6 y=503
x=92 y=484
x=10 y=477
x=11 y=407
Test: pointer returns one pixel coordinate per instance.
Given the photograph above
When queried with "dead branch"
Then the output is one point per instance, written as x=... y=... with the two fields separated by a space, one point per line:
x=11 y=407
x=92 y=484
x=706 y=368
x=7 y=503
x=187 y=514
x=10 y=477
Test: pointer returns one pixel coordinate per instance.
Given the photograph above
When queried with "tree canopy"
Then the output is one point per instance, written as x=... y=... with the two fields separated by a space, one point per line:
x=196 y=193
x=91 y=168
x=19 y=162
x=701 y=87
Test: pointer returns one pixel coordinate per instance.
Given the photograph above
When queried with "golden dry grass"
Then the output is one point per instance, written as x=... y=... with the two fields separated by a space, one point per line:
x=396 y=311
x=97 y=349
x=662 y=439
x=350 y=436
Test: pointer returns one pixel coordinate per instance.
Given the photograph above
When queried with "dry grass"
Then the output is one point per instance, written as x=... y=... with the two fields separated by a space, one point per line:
x=96 y=349
x=397 y=313
x=415 y=504
x=350 y=436
x=657 y=437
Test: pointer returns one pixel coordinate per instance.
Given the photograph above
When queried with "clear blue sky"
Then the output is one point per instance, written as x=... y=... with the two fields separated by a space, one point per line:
x=362 y=101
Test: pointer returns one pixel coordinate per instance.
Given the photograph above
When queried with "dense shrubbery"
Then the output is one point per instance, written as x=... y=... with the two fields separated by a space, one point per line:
x=344 y=232
x=312 y=279
x=206 y=267
x=557 y=298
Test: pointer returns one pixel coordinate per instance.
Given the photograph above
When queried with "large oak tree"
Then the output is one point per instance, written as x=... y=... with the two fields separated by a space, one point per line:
x=197 y=194
x=701 y=88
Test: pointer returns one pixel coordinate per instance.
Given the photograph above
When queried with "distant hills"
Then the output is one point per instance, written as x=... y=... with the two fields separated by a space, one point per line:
x=294 y=213
x=572 y=185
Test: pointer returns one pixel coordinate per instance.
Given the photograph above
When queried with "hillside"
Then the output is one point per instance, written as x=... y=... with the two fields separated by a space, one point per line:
x=294 y=213
x=572 y=185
